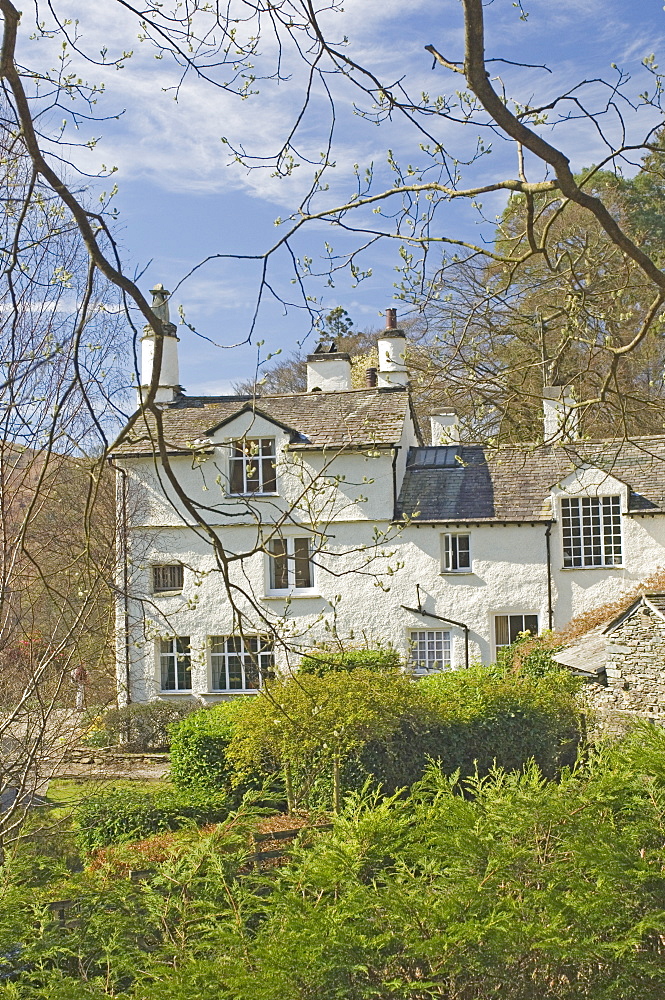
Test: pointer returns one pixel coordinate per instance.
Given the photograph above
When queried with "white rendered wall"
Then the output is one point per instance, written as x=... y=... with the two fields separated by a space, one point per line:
x=310 y=484
x=329 y=374
x=169 y=378
x=350 y=520
x=508 y=576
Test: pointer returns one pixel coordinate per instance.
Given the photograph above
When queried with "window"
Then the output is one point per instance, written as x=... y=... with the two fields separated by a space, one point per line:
x=437 y=457
x=253 y=466
x=456 y=554
x=175 y=662
x=290 y=564
x=240 y=663
x=430 y=650
x=508 y=627
x=167 y=578
x=591 y=528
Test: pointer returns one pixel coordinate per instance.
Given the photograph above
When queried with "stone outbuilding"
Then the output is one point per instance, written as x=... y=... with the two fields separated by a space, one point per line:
x=624 y=661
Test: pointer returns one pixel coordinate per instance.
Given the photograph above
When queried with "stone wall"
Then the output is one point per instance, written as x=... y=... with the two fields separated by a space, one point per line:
x=635 y=670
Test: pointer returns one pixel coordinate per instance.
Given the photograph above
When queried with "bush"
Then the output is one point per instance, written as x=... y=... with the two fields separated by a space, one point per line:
x=531 y=654
x=198 y=747
x=479 y=717
x=321 y=661
x=125 y=814
x=144 y=726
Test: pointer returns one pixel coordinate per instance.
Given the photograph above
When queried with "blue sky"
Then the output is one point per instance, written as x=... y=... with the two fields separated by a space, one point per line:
x=180 y=199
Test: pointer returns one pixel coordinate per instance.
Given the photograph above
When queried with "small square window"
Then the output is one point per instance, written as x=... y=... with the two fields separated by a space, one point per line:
x=456 y=553
x=167 y=577
x=430 y=650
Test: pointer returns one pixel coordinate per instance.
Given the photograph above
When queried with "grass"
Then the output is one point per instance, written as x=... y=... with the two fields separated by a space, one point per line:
x=67 y=793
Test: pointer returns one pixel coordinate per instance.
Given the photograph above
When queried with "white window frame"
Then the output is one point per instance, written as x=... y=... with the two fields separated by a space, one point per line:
x=259 y=455
x=591 y=531
x=450 y=552
x=429 y=642
x=179 y=652
x=222 y=661
x=512 y=626
x=291 y=543
x=157 y=568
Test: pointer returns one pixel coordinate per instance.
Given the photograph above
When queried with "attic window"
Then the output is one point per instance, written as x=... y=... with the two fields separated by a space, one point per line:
x=591 y=529
x=253 y=466
x=441 y=457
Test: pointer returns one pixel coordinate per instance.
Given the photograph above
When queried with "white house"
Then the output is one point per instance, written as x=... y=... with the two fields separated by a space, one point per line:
x=256 y=528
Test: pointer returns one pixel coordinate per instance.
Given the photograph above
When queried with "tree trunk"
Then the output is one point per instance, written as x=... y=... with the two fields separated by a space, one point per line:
x=288 y=784
x=337 y=789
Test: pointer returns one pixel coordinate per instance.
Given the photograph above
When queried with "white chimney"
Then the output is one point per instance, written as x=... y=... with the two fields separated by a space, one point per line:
x=168 y=385
x=445 y=428
x=392 y=354
x=328 y=371
x=561 y=418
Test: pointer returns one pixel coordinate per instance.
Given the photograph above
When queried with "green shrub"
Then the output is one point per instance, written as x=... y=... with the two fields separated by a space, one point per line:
x=144 y=726
x=125 y=814
x=198 y=747
x=531 y=654
x=321 y=661
x=479 y=717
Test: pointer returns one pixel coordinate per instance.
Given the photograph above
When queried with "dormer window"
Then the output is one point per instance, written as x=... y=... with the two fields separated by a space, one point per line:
x=253 y=466
x=591 y=530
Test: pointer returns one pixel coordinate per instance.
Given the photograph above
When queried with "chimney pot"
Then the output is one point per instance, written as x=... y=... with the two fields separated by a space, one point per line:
x=391 y=319
x=371 y=378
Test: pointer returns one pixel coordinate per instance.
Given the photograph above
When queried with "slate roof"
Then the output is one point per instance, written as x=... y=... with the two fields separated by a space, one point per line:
x=360 y=418
x=514 y=484
x=588 y=654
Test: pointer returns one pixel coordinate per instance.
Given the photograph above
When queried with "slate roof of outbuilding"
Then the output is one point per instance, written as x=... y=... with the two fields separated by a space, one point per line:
x=514 y=484
x=360 y=418
x=588 y=654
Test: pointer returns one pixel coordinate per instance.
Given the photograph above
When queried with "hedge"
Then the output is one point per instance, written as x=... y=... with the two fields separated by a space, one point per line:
x=198 y=747
x=480 y=718
x=144 y=726
x=320 y=661
x=467 y=719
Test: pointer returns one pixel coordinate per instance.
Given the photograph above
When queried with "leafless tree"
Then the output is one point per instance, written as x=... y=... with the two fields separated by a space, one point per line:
x=222 y=46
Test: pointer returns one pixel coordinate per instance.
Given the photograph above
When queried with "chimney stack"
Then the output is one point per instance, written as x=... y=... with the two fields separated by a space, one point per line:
x=328 y=370
x=445 y=428
x=392 y=354
x=561 y=419
x=168 y=385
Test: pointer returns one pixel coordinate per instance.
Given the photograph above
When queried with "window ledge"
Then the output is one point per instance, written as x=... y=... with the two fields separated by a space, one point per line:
x=167 y=593
x=235 y=691
x=585 y=569
x=245 y=496
x=456 y=572
x=176 y=694
x=285 y=595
